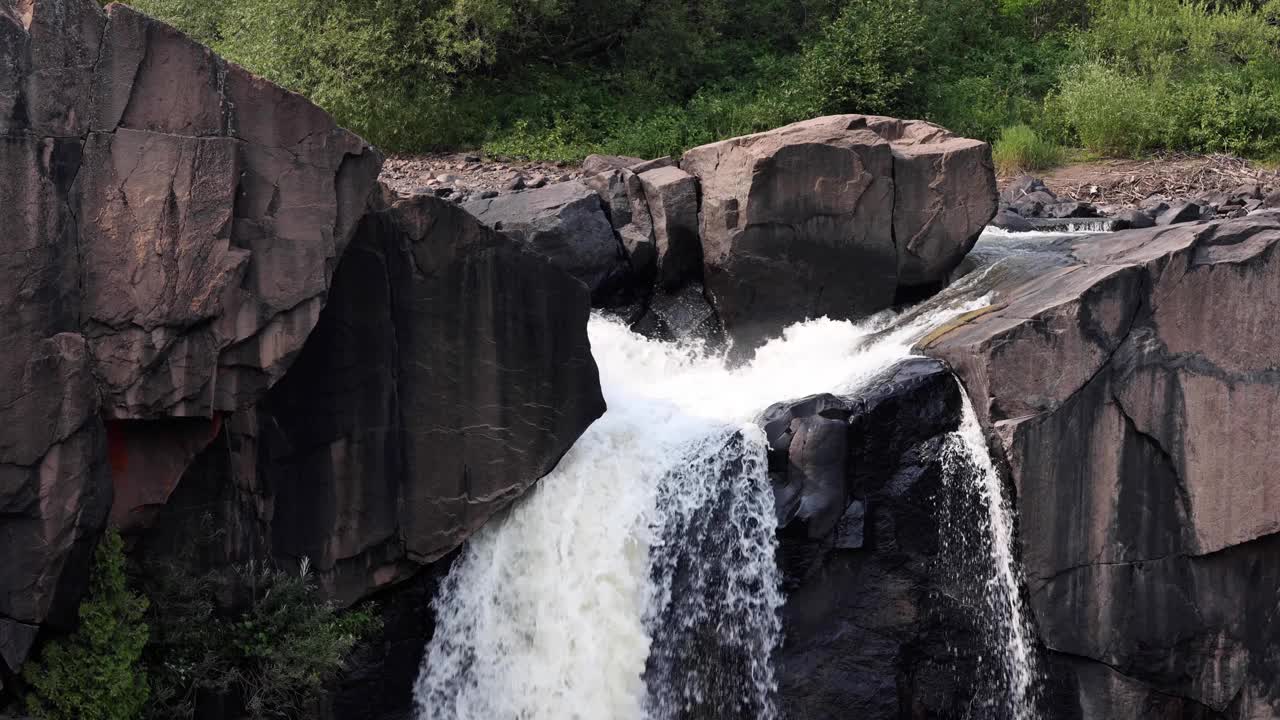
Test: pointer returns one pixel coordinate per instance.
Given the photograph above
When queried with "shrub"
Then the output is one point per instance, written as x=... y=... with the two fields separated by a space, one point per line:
x=867 y=60
x=95 y=673
x=272 y=651
x=1112 y=112
x=1020 y=149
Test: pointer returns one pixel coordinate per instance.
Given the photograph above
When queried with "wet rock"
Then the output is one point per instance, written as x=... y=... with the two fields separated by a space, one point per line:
x=1132 y=385
x=680 y=316
x=871 y=624
x=564 y=222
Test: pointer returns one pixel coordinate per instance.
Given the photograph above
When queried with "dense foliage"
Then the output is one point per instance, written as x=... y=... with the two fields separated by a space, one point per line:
x=254 y=639
x=268 y=651
x=95 y=673
x=560 y=78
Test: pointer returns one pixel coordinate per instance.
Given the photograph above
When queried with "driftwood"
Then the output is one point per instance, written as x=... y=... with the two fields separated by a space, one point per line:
x=1171 y=175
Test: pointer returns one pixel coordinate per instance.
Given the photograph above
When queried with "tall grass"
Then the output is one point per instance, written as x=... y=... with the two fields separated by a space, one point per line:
x=1020 y=149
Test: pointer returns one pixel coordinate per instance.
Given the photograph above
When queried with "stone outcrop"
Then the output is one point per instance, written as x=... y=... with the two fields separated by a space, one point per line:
x=880 y=617
x=671 y=195
x=180 y=346
x=566 y=223
x=810 y=220
x=1134 y=394
x=449 y=372
x=174 y=223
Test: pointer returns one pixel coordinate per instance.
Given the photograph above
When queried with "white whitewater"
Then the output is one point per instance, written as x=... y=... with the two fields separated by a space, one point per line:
x=637 y=580
x=983 y=570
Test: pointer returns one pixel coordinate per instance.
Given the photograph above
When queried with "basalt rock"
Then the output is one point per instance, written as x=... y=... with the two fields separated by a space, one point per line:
x=672 y=197
x=173 y=227
x=450 y=370
x=566 y=223
x=879 y=620
x=793 y=220
x=1134 y=394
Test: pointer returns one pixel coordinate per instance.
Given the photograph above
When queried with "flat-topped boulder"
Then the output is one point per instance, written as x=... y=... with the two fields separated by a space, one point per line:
x=834 y=216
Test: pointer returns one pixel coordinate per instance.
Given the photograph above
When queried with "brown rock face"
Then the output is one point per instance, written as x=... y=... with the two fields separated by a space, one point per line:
x=173 y=226
x=1135 y=395
x=672 y=198
x=449 y=371
x=833 y=216
x=944 y=195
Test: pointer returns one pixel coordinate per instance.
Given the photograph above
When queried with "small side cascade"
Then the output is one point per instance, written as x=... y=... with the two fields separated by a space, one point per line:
x=983 y=573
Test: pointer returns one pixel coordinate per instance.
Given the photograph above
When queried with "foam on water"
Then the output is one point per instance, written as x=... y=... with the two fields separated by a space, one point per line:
x=601 y=593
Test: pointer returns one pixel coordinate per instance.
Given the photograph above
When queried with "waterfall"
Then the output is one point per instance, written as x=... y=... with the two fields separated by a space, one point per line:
x=637 y=580
x=983 y=572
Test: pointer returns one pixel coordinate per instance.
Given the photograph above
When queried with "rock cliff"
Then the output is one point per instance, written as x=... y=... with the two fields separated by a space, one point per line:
x=174 y=230
x=1133 y=392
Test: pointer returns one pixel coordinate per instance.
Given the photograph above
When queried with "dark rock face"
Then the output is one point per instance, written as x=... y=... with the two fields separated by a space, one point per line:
x=449 y=372
x=672 y=198
x=1134 y=395
x=875 y=625
x=684 y=315
x=173 y=226
x=793 y=219
x=564 y=222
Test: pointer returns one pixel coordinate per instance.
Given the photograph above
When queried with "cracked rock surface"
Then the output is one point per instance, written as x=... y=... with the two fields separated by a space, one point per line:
x=1135 y=393
x=173 y=224
x=834 y=216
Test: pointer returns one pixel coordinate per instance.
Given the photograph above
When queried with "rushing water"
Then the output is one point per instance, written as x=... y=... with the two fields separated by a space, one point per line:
x=638 y=580
x=983 y=571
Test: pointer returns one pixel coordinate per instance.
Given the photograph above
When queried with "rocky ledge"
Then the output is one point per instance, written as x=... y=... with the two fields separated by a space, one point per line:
x=1133 y=391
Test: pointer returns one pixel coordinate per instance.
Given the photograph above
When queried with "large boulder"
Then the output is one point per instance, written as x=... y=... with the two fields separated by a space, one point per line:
x=810 y=219
x=627 y=208
x=173 y=226
x=566 y=223
x=944 y=194
x=1135 y=397
x=450 y=370
x=882 y=554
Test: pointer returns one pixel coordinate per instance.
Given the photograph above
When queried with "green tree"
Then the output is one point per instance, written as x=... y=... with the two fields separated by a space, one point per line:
x=270 y=650
x=96 y=672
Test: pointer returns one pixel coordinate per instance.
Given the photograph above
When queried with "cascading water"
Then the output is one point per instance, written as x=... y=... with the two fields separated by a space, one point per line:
x=638 y=580
x=981 y=570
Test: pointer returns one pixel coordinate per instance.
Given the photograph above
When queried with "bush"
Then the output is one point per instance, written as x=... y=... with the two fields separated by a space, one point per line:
x=867 y=60
x=272 y=651
x=1021 y=150
x=1112 y=112
x=96 y=672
